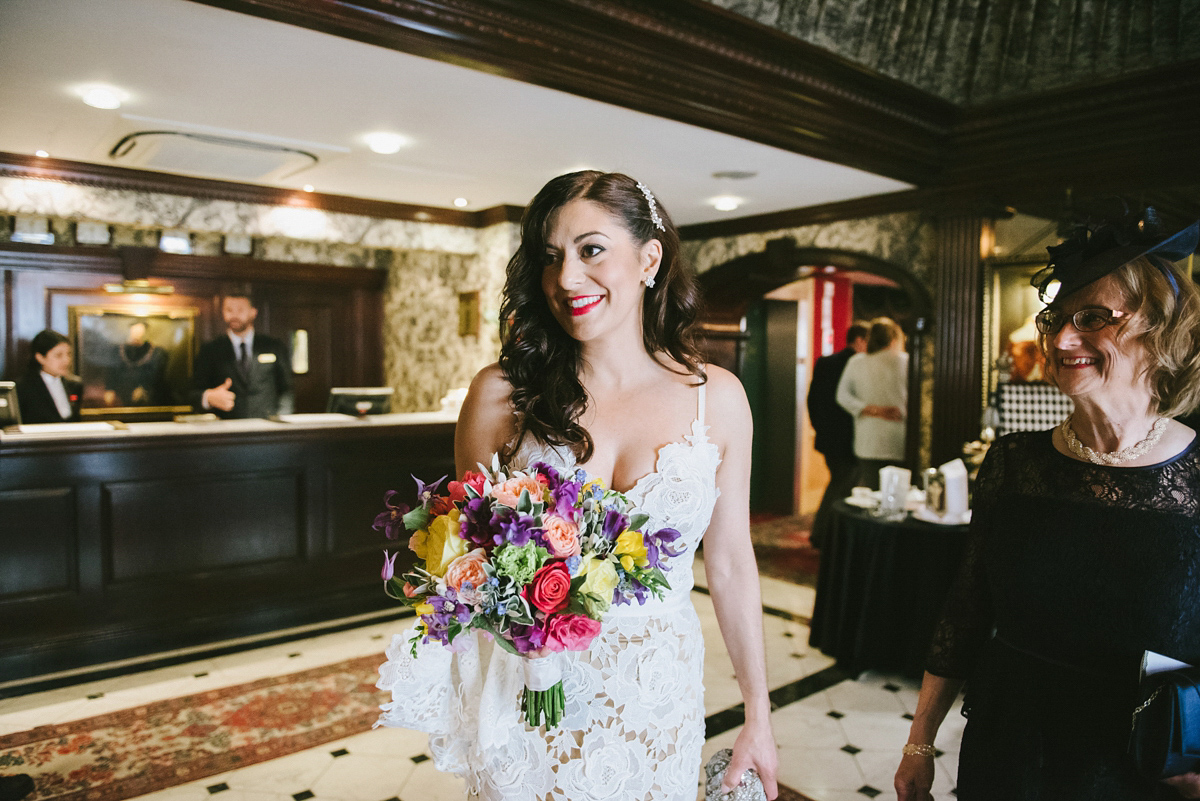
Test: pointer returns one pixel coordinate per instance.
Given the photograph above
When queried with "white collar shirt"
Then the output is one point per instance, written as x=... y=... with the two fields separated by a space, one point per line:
x=59 y=393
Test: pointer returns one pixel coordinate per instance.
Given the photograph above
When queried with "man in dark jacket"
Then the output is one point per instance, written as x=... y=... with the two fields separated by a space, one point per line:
x=242 y=373
x=834 y=428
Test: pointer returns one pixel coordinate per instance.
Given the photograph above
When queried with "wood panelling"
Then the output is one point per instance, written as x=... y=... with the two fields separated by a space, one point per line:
x=182 y=539
x=104 y=176
x=189 y=526
x=340 y=307
x=39 y=554
x=958 y=328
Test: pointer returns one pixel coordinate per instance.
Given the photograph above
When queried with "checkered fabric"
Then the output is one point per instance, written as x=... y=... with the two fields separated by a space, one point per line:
x=1032 y=407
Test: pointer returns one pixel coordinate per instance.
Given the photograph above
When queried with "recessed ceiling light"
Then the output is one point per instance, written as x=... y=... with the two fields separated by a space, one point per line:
x=385 y=143
x=461 y=202
x=42 y=154
x=734 y=175
x=726 y=203
x=103 y=96
x=308 y=187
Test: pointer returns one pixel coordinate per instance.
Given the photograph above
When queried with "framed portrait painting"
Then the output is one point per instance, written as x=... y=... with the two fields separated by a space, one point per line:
x=133 y=361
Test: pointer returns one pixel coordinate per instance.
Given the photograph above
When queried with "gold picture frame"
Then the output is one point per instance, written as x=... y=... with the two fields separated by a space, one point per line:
x=133 y=362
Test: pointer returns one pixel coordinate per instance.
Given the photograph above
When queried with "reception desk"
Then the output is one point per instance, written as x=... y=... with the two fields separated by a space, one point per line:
x=119 y=543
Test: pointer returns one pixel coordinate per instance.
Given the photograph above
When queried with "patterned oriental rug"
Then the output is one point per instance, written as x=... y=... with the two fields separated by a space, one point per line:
x=167 y=743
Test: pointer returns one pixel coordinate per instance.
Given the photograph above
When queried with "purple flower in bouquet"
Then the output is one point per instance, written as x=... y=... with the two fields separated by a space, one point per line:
x=425 y=491
x=564 y=496
x=614 y=523
x=527 y=638
x=389 y=566
x=628 y=590
x=478 y=524
x=517 y=529
x=658 y=546
x=391 y=520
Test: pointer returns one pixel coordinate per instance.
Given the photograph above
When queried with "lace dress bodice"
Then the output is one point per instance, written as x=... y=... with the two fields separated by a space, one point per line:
x=1084 y=564
x=634 y=720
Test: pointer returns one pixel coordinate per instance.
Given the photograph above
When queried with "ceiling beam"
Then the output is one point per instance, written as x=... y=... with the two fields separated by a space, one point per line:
x=16 y=165
x=685 y=60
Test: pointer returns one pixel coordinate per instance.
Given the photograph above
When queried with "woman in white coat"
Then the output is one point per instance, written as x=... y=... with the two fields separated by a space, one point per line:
x=874 y=390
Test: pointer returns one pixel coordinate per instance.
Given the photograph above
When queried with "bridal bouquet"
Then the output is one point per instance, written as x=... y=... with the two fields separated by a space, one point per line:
x=533 y=558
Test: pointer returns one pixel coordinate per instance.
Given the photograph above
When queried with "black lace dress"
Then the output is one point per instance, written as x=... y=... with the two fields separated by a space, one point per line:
x=1072 y=572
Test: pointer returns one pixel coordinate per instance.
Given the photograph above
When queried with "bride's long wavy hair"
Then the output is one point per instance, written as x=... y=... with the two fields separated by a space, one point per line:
x=539 y=359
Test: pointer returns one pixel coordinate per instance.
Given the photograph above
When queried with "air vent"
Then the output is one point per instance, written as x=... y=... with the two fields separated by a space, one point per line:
x=210 y=156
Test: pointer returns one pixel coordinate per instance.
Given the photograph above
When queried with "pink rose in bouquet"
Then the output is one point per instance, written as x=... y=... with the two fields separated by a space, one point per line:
x=562 y=537
x=571 y=632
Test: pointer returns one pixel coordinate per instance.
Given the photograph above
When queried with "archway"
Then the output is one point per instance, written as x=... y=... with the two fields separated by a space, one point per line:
x=747 y=328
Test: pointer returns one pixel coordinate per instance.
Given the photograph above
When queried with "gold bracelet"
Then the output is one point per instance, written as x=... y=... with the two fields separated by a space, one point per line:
x=919 y=749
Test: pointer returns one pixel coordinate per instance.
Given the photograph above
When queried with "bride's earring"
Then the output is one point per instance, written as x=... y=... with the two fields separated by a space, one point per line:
x=649 y=282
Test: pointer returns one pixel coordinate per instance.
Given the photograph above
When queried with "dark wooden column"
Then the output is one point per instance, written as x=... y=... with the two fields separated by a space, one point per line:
x=958 y=328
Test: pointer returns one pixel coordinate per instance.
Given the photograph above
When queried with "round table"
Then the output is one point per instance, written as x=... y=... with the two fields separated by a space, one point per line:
x=881 y=588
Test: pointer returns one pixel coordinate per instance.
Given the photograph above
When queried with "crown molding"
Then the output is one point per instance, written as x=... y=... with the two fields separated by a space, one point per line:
x=103 y=176
x=686 y=60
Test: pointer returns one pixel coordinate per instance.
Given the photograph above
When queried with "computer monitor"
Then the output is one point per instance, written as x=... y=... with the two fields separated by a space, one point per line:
x=10 y=414
x=359 y=401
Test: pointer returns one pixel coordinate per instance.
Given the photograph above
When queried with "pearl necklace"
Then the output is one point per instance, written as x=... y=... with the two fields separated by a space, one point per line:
x=1114 y=457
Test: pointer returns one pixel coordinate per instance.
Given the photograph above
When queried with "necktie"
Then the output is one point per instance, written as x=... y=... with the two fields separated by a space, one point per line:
x=244 y=359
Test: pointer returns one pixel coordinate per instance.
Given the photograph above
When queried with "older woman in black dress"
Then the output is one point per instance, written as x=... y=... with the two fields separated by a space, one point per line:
x=1085 y=544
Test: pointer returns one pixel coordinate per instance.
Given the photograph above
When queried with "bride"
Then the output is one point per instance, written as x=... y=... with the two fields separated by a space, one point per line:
x=599 y=370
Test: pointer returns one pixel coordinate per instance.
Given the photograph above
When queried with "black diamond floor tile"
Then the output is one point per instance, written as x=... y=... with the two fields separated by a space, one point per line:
x=869 y=791
x=218 y=788
x=835 y=715
x=850 y=749
x=303 y=795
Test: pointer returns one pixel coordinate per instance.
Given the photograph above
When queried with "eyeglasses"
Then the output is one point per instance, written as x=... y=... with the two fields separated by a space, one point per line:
x=1051 y=321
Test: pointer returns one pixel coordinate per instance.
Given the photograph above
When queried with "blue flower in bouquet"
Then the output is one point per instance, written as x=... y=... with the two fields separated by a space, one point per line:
x=391 y=520
x=658 y=546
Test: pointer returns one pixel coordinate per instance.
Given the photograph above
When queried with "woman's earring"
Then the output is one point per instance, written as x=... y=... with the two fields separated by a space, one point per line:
x=649 y=282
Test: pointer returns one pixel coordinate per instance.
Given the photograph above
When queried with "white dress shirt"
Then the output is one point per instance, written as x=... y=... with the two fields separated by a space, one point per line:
x=58 y=392
x=248 y=338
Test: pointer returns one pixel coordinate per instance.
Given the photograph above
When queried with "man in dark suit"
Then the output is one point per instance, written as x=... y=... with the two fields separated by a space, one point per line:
x=242 y=373
x=834 y=428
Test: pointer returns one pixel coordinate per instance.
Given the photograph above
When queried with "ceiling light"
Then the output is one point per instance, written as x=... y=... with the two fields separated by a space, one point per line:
x=307 y=187
x=385 y=143
x=461 y=202
x=103 y=96
x=726 y=203
x=42 y=154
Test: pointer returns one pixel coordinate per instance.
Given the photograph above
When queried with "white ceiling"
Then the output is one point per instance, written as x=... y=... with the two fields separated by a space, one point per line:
x=490 y=139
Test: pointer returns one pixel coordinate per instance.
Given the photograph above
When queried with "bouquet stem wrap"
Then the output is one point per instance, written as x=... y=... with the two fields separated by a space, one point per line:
x=544 y=696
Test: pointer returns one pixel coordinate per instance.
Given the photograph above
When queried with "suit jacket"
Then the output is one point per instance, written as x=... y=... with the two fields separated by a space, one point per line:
x=37 y=405
x=833 y=424
x=265 y=389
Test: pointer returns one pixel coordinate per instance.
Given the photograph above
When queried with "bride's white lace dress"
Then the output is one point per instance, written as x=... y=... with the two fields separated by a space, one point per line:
x=634 y=720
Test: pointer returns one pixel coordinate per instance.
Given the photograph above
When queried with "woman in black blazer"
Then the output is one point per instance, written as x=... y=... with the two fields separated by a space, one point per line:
x=49 y=364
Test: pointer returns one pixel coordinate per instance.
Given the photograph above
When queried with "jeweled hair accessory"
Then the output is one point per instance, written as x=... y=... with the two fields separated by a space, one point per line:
x=654 y=218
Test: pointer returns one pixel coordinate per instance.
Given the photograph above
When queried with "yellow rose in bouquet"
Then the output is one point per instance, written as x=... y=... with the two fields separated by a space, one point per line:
x=444 y=545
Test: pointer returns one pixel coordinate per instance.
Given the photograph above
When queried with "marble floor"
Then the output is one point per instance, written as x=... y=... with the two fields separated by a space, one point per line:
x=838 y=739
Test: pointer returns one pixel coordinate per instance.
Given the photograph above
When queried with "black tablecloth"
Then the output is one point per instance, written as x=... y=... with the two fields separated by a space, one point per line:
x=880 y=590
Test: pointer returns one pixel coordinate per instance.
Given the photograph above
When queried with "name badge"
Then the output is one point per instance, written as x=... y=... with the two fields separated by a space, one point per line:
x=266 y=358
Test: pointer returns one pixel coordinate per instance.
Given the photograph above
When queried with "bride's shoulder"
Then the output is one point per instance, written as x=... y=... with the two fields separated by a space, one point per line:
x=727 y=410
x=486 y=421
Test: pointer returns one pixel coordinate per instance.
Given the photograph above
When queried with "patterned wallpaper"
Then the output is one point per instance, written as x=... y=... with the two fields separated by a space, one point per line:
x=976 y=51
x=428 y=265
x=906 y=240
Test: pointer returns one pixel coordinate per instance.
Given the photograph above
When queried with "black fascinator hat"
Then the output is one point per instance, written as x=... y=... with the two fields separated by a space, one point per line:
x=1093 y=251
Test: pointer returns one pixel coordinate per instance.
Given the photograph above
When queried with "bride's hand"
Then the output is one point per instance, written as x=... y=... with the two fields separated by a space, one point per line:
x=1187 y=785
x=754 y=748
